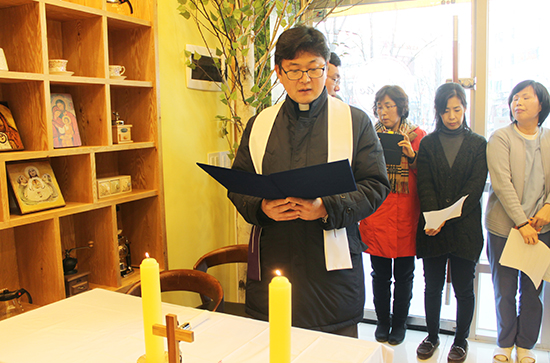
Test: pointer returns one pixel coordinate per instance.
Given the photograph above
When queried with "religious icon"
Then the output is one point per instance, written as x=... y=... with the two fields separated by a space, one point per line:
x=9 y=135
x=65 y=127
x=34 y=186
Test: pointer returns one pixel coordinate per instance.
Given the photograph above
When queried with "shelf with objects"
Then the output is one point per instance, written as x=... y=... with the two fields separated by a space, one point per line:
x=119 y=168
x=57 y=145
x=134 y=56
x=79 y=115
x=24 y=112
x=87 y=245
x=75 y=38
x=31 y=259
x=133 y=108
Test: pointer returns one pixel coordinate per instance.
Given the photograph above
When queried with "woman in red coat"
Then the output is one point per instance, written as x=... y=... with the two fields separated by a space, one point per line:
x=390 y=233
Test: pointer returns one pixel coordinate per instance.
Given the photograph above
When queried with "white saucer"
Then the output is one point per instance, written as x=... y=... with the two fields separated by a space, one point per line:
x=62 y=73
x=118 y=77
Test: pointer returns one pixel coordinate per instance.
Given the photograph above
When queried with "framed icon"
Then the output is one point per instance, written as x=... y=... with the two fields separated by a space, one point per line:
x=9 y=135
x=34 y=186
x=64 y=124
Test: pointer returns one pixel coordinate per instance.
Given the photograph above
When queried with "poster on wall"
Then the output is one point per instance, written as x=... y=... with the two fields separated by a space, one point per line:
x=65 y=126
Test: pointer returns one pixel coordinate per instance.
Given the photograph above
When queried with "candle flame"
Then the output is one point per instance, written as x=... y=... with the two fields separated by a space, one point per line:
x=146 y=254
x=278 y=273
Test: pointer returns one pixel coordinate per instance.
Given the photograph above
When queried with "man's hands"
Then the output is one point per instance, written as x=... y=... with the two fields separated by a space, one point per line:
x=289 y=209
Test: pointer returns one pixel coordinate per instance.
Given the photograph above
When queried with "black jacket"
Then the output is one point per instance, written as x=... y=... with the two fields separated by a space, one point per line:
x=439 y=187
x=321 y=300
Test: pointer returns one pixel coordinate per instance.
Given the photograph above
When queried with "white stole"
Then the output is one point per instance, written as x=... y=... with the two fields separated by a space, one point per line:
x=340 y=146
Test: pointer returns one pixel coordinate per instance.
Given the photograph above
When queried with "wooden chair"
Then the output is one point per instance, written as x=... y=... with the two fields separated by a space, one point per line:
x=227 y=254
x=188 y=280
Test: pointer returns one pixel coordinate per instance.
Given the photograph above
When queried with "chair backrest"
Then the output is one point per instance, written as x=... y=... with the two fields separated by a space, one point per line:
x=222 y=255
x=227 y=254
x=187 y=280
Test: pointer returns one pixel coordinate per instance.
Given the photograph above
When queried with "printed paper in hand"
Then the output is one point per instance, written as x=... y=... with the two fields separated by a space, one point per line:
x=533 y=260
x=435 y=218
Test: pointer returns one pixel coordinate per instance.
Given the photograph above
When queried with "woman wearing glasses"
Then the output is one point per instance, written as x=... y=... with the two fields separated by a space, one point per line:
x=451 y=164
x=390 y=233
x=518 y=156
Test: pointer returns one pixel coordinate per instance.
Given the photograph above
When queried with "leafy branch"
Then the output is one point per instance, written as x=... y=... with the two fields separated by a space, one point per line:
x=244 y=34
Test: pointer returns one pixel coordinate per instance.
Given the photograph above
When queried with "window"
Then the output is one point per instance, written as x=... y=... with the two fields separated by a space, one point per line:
x=403 y=43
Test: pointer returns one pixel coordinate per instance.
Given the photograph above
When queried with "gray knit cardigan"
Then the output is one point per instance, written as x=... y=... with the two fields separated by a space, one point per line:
x=506 y=161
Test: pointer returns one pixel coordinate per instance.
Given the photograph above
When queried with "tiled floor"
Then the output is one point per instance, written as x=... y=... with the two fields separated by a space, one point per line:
x=406 y=351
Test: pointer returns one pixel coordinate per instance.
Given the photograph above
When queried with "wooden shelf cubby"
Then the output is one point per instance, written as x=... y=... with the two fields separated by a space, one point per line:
x=91 y=35
x=21 y=36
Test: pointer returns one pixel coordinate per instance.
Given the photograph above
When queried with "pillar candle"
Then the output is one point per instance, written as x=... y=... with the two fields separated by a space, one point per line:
x=152 y=314
x=280 y=319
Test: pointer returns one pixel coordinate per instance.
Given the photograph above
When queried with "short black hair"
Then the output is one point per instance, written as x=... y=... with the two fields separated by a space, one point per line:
x=301 y=39
x=443 y=94
x=542 y=95
x=397 y=95
x=335 y=60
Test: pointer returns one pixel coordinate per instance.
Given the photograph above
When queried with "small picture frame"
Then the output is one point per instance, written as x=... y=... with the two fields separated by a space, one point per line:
x=34 y=186
x=64 y=123
x=205 y=76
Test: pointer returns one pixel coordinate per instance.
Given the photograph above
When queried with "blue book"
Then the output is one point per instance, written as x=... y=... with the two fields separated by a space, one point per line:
x=309 y=183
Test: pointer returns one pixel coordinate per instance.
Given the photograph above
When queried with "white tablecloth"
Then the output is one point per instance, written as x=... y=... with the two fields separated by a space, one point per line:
x=104 y=326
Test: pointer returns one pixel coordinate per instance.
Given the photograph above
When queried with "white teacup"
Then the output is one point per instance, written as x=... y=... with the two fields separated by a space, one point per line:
x=116 y=71
x=58 y=65
x=3 y=62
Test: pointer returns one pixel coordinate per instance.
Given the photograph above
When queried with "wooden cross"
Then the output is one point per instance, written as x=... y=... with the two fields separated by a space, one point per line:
x=174 y=334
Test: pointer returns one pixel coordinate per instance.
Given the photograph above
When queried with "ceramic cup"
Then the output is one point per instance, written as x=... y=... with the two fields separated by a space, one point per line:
x=3 y=62
x=116 y=71
x=58 y=65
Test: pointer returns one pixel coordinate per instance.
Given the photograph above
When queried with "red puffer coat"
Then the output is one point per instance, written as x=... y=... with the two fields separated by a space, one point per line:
x=391 y=231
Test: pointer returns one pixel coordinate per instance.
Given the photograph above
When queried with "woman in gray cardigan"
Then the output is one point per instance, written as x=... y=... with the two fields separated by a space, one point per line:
x=518 y=157
x=451 y=164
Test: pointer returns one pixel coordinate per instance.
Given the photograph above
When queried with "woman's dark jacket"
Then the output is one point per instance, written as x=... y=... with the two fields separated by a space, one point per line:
x=439 y=186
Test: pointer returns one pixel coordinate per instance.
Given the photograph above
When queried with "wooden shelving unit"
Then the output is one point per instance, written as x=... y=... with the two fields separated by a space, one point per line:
x=90 y=34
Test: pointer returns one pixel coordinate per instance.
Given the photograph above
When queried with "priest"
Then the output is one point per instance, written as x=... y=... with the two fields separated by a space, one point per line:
x=315 y=243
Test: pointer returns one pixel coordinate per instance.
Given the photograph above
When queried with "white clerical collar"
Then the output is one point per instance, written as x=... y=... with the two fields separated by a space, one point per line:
x=303 y=106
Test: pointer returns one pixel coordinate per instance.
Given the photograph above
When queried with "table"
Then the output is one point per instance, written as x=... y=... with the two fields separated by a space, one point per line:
x=106 y=326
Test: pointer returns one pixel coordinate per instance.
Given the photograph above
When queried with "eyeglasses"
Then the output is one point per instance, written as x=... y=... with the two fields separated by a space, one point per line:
x=336 y=80
x=385 y=107
x=311 y=73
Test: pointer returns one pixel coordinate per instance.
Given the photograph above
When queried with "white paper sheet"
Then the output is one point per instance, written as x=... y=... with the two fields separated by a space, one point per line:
x=533 y=260
x=435 y=218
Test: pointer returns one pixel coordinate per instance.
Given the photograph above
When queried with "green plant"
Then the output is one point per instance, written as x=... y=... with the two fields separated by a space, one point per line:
x=243 y=33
